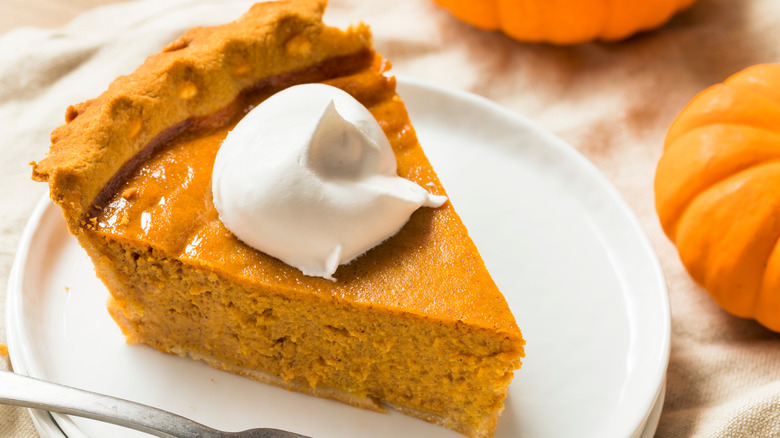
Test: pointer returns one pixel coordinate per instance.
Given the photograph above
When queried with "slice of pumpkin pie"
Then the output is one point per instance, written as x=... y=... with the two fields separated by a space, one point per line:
x=414 y=322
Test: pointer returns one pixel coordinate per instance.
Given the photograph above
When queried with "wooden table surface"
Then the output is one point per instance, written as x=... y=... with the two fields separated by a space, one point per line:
x=42 y=13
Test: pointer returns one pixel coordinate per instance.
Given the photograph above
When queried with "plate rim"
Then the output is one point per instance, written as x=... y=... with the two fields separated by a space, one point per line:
x=20 y=356
x=42 y=420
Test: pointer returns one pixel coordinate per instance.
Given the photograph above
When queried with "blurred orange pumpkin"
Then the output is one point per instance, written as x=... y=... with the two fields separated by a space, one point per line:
x=565 y=21
x=717 y=192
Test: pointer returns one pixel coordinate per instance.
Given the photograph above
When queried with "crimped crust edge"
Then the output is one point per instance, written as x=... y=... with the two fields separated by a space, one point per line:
x=200 y=73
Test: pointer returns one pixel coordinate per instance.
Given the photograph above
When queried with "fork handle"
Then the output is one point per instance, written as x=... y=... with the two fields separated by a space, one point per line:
x=19 y=390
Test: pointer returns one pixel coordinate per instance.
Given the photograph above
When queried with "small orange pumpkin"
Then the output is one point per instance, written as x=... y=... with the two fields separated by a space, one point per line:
x=717 y=192
x=565 y=21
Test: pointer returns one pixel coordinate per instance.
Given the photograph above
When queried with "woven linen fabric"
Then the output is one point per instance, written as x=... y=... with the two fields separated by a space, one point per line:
x=613 y=102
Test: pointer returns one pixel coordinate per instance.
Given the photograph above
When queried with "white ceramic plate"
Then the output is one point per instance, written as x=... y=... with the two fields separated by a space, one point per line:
x=577 y=271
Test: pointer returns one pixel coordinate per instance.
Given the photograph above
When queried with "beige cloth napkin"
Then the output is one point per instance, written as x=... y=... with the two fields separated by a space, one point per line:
x=612 y=102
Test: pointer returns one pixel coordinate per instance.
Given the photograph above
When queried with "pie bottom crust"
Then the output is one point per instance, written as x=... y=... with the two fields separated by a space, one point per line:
x=336 y=394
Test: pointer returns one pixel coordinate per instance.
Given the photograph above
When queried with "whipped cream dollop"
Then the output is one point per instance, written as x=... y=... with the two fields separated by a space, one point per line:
x=309 y=177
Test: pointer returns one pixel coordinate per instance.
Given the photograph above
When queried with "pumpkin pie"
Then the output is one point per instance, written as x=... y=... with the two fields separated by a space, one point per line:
x=416 y=323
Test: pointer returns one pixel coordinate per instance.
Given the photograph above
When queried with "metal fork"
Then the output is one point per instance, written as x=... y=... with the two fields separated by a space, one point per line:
x=19 y=390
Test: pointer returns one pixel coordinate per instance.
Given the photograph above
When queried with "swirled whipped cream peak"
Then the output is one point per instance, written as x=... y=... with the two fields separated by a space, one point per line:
x=309 y=177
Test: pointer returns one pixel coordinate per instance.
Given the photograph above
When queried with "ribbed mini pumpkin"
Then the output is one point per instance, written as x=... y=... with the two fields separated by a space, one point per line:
x=717 y=192
x=565 y=21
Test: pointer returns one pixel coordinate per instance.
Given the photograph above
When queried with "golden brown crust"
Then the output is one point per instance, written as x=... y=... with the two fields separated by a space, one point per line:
x=201 y=72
